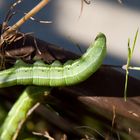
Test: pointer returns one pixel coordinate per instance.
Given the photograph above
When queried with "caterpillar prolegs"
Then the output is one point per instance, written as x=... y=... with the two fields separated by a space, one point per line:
x=57 y=74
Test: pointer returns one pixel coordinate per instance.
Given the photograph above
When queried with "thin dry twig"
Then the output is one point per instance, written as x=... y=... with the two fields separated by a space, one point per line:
x=82 y=5
x=31 y=13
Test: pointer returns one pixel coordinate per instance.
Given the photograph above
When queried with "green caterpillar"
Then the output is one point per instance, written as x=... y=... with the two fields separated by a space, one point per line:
x=19 y=112
x=41 y=74
x=57 y=74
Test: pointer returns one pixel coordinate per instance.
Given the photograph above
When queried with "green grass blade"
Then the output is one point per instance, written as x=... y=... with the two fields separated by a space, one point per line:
x=130 y=53
x=127 y=72
x=134 y=43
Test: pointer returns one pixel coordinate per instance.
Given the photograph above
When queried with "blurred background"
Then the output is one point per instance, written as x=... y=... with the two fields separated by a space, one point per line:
x=118 y=21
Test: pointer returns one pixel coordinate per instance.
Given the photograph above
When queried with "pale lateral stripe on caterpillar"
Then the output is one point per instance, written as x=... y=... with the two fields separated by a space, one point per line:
x=56 y=74
x=19 y=112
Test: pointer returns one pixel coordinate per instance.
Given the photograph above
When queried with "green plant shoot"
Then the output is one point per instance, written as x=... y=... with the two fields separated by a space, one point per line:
x=127 y=66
